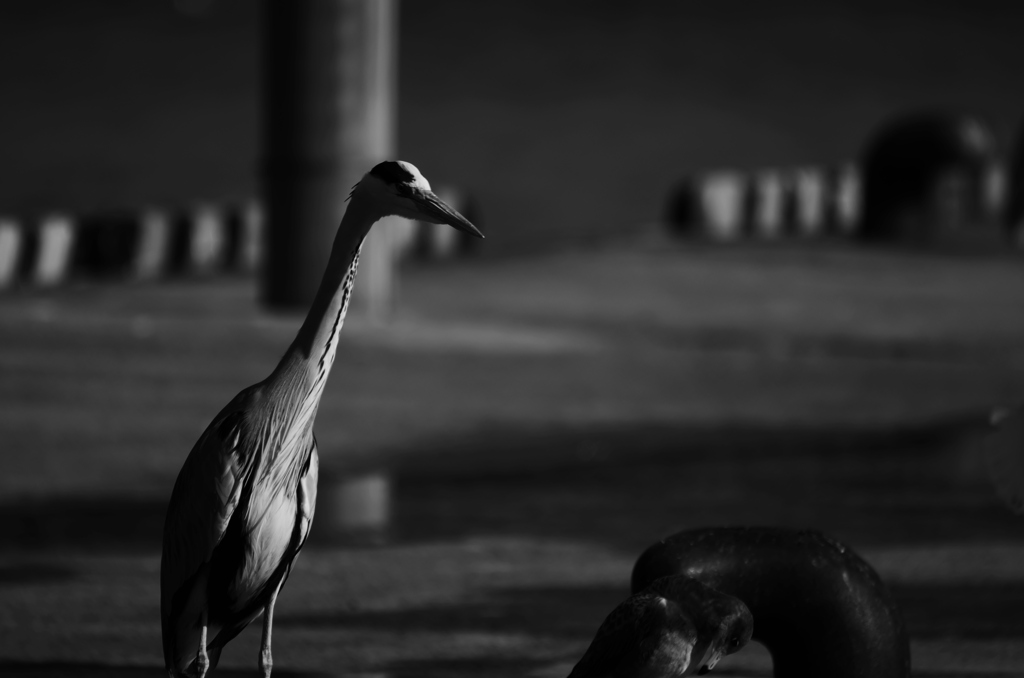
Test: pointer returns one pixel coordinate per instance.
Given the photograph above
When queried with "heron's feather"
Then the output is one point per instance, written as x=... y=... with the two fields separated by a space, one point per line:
x=205 y=496
x=307 y=494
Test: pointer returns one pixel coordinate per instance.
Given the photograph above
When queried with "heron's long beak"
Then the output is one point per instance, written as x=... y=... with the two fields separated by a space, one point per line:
x=441 y=213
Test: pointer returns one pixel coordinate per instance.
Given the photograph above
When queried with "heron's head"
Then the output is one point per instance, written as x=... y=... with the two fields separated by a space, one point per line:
x=397 y=187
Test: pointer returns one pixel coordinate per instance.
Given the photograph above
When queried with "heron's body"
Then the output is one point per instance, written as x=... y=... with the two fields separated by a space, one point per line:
x=263 y=511
x=243 y=503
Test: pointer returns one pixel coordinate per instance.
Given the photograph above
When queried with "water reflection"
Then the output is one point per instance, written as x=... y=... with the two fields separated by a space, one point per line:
x=355 y=508
x=19 y=669
x=628 y=485
x=621 y=485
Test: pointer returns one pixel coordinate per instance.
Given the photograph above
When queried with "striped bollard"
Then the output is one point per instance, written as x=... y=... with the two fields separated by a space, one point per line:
x=847 y=200
x=721 y=199
x=56 y=239
x=10 y=250
x=810 y=193
x=769 y=217
x=153 y=244
x=444 y=240
x=994 y=191
x=253 y=224
x=207 y=239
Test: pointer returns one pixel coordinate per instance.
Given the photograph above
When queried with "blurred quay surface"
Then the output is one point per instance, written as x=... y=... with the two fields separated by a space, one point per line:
x=514 y=439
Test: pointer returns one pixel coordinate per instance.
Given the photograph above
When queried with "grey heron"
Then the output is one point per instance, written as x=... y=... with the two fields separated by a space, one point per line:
x=243 y=501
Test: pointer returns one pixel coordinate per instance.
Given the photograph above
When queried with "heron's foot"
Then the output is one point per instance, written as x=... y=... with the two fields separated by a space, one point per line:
x=202 y=664
x=266 y=662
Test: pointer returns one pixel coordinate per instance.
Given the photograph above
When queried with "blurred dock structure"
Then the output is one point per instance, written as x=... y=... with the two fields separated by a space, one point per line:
x=202 y=240
x=169 y=110
x=814 y=203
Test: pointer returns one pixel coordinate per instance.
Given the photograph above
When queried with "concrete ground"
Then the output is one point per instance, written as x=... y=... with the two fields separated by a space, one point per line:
x=529 y=427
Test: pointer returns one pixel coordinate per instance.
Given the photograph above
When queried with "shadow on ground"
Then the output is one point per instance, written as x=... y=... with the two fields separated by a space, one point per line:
x=569 y=612
x=977 y=611
x=629 y=485
x=573 y=613
x=19 y=574
x=622 y=485
x=62 y=669
x=497 y=667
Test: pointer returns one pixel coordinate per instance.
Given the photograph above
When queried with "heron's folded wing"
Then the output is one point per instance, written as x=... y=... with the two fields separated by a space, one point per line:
x=307 y=493
x=206 y=494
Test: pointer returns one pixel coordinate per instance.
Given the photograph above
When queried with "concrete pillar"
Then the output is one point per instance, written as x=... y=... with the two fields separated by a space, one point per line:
x=329 y=102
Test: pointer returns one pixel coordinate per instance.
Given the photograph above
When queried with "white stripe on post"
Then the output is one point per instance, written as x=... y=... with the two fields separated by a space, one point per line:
x=721 y=201
x=154 y=244
x=10 y=249
x=769 y=219
x=444 y=240
x=206 y=239
x=252 y=235
x=848 y=199
x=994 y=190
x=810 y=200
x=404 y=237
x=56 y=238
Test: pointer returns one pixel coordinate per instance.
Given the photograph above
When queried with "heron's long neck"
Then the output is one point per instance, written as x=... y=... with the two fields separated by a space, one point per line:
x=307 y=362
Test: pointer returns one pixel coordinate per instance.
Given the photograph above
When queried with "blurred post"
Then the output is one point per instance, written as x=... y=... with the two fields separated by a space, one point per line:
x=722 y=197
x=329 y=95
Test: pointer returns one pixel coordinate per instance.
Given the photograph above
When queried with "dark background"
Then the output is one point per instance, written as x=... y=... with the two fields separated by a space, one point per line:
x=566 y=120
x=523 y=426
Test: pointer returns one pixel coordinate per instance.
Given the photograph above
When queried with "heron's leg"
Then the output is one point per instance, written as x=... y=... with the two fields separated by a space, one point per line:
x=202 y=659
x=266 y=662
